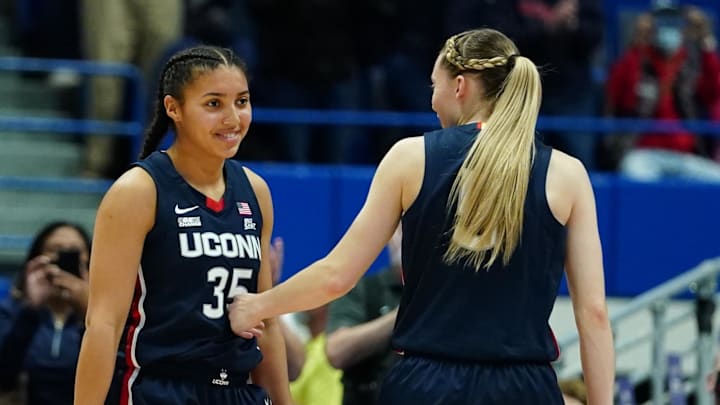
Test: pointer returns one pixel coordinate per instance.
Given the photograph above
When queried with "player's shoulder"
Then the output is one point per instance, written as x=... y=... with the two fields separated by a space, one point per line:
x=568 y=167
x=567 y=177
x=405 y=149
x=131 y=198
x=136 y=181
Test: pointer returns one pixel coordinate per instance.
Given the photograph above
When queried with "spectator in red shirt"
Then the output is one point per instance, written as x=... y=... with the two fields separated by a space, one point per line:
x=670 y=72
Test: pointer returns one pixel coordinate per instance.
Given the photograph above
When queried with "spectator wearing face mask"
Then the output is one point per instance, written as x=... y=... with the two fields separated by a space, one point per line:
x=672 y=77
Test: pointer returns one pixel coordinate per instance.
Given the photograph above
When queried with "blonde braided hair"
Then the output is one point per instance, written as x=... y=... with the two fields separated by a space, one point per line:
x=453 y=56
x=489 y=191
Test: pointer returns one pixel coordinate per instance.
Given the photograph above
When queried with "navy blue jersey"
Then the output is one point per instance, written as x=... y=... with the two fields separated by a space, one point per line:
x=198 y=253
x=499 y=315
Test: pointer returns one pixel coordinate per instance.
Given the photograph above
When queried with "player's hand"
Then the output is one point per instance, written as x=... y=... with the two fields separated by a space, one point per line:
x=244 y=318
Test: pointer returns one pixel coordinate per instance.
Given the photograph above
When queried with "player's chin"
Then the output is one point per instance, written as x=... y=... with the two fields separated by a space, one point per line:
x=229 y=151
x=232 y=152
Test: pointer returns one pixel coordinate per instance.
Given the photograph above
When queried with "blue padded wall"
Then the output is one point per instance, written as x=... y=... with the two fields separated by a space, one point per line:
x=649 y=232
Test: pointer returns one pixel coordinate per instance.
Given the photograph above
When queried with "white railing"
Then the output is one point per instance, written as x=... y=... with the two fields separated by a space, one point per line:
x=702 y=281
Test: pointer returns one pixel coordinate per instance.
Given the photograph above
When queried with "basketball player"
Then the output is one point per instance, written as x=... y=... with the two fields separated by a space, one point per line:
x=175 y=236
x=490 y=218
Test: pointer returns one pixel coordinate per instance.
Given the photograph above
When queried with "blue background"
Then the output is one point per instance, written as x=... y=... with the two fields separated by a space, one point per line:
x=649 y=232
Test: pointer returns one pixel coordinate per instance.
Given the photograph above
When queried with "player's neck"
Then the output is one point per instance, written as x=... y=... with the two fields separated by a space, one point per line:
x=203 y=174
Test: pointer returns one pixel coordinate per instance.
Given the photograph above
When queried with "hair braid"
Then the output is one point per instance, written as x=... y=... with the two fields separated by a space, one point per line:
x=454 y=57
x=452 y=54
x=480 y=64
x=158 y=127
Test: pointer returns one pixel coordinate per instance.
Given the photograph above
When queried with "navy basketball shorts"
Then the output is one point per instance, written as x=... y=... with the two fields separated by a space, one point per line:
x=154 y=389
x=423 y=381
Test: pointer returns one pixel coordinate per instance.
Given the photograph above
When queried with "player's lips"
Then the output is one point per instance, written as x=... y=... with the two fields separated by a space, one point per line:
x=229 y=136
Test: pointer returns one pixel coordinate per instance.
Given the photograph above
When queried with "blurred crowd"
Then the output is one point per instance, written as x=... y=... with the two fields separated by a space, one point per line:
x=373 y=55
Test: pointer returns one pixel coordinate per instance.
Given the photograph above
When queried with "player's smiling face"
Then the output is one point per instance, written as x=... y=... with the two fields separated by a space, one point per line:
x=215 y=113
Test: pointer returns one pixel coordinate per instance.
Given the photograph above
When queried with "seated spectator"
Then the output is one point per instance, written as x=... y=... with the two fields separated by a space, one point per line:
x=294 y=344
x=319 y=382
x=41 y=322
x=672 y=78
x=313 y=380
x=359 y=328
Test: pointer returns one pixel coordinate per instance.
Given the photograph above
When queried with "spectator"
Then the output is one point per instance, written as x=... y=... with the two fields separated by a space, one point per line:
x=313 y=380
x=359 y=328
x=41 y=322
x=614 y=146
x=674 y=77
x=118 y=31
x=319 y=382
x=294 y=345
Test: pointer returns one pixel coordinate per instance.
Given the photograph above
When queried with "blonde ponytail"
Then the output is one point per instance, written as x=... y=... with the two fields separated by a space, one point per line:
x=491 y=186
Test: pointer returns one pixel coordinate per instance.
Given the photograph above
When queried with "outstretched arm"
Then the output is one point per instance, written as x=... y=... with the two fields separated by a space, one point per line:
x=335 y=274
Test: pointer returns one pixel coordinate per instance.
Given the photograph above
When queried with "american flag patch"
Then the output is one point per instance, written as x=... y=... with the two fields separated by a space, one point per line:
x=244 y=208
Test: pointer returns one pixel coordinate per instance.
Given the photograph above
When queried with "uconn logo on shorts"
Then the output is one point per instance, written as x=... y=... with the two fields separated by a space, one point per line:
x=223 y=380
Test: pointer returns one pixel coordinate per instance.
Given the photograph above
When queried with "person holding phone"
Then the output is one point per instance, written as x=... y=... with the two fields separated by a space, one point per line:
x=41 y=322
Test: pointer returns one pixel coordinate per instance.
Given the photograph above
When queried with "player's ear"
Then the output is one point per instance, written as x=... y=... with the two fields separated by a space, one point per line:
x=171 y=107
x=461 y=84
